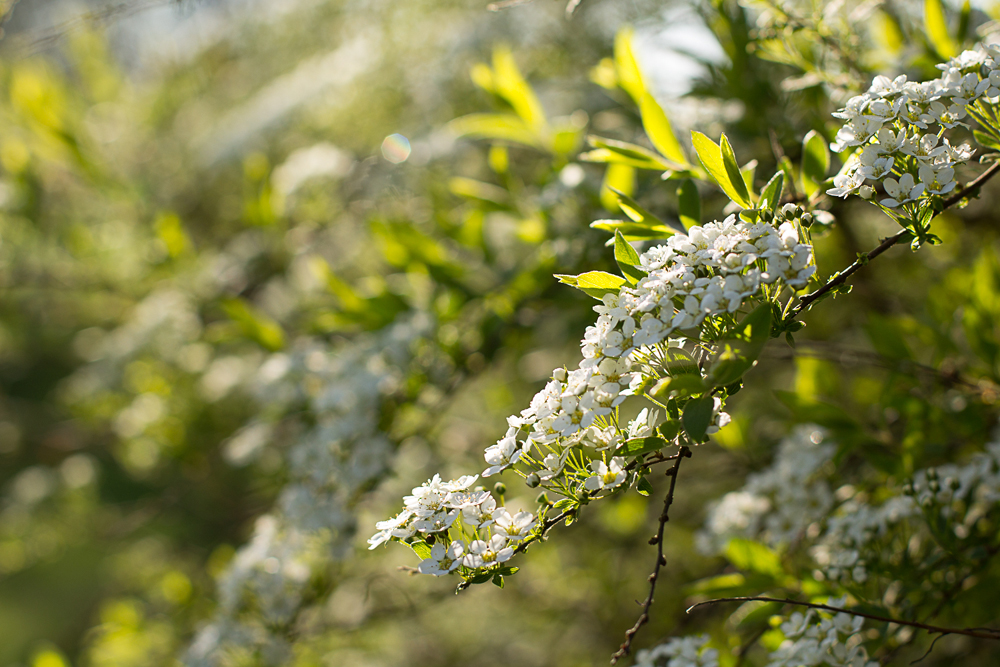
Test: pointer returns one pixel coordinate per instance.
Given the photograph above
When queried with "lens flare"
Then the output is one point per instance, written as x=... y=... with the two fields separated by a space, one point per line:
x=396 y=148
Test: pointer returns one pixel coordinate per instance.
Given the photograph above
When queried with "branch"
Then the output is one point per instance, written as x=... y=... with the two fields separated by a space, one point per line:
x=546 y=527
x=660 y=560
x=841 y=277
x=981 y=634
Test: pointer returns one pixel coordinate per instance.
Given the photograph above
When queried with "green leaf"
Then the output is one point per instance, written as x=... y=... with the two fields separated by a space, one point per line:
x=594 y=283
x=507 y=571
x=697 y=417
x=677 y=361
x=733 y=170
x=733 y=583
x=629 y=76
x=422 y=549
x=657 y=126
x=628 y=259
x=619 y=179
x=473 y=189
x=772 y=192
x=815 y=162
x=748 y=172
x=751 y=556
x=739 y=351
x=688 y=203
x=643 y=487
x=498 y=580
x=638 y=446
x=495 y=126
x=987 y=140
x=255 y=325
x=637 y=213
x=510 y=85
x=937 y=29
x=634 y=231
x=678 y=386
x=609 y=150
x=710 y=156
x=607 y=155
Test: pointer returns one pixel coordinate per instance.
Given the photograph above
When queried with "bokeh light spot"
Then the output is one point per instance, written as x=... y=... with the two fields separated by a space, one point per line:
x=396 y=148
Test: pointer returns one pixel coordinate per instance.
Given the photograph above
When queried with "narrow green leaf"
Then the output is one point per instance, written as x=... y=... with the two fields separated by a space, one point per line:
x=688 y=203
x=710 y=156
x=937 y=29
x=498 y=580
x=618 y=179
x=629 y=77
x=733 y=171
x=473 y=189
x=512 y=87
x=628 y=259
x=634 y=231
x=748 y=172
x=496 y=126
x=659 y=130
x=638 y=446
x=697 y=417
x=815 y=162
x=964 y=20
x=633 y=210
x=772 y=191
x=633 y=152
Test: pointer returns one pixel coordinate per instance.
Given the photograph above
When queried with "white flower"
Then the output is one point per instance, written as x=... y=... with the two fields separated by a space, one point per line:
x=902 y=191
x=514 y=528
x=442 y=560
x=484 y=553
x=847 y=183
x=501 y=456
x=937 y=181
x=479 y=514
x=605 y=476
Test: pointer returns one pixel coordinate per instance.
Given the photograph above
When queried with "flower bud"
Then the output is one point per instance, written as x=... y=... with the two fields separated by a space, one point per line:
x=532 y=480
x=499 y=489
x=867 y=192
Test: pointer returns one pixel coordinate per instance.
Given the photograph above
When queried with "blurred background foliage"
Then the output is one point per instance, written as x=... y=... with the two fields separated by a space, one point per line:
x=195 y=194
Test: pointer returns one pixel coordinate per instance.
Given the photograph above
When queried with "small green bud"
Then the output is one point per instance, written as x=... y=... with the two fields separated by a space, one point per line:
x=532 y=480
x=499 y=489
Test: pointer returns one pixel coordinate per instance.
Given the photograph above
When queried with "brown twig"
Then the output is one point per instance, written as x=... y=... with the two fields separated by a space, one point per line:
x=660 y=560
x=981 y=634
x=841 y=277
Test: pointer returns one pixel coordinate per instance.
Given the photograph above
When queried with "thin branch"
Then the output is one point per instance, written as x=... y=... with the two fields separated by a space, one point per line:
x=841 y=277
x=981 y=634
x=660 y=559
x=546 y=527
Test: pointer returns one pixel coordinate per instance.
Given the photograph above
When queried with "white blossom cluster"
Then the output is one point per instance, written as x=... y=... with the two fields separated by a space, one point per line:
x=811 y=640
x=792 y=501
x=777 y=504
x=814 y=640
x=679 y=652
x=898 y=126
x=695 y=280
x=439 y=512
x=329 y=465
